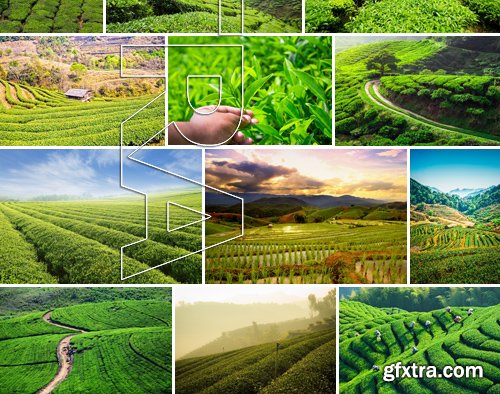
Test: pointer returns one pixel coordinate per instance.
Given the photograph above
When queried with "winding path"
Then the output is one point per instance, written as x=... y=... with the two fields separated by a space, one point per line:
x=65 y=363
x=393 y=107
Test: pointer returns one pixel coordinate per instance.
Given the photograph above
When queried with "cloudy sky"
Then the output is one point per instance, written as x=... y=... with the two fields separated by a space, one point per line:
x=26 y=174
x=448 y=169
x=369 y=173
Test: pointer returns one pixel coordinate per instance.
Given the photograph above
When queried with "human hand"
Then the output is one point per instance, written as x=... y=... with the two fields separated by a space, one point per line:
x=217 y=127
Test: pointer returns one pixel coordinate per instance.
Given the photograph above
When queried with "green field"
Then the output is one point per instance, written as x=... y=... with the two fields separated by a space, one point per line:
x=80 y=241
x=127 y=348
x=302 y=364
x=36 y=116
x=342 y=251
x=51 y=16
x=189 y=16
x=453 y=255
x=418 y=92
x=473 y=341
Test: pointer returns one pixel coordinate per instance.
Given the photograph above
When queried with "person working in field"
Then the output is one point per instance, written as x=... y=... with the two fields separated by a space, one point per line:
x=213 y=125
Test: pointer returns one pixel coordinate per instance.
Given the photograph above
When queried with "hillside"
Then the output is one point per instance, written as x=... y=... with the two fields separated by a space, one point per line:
x=39 y=16
x=302 y=364
x=473 y=341
x=443 y=90
x=99 y=336
x=441 y=214
x=188 y=16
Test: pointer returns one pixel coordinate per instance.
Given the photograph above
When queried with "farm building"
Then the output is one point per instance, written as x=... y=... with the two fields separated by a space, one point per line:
x=79 y=94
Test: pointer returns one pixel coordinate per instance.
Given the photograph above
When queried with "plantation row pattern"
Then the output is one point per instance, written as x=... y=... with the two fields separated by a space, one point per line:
x=473 y=341
x=80 y=243
x=51 y=16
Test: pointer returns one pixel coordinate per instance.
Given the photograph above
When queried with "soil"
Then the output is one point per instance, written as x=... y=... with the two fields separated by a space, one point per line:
x=65 y=362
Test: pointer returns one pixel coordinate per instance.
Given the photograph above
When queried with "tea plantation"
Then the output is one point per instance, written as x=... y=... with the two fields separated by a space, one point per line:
x=127 y=348
x=473 y=341
x=51 y=16
x=301 y=364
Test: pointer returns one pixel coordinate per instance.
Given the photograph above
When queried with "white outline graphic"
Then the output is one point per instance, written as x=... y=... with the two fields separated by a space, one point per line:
x=203 y=214
x=124 y=186
x=173 y=123
x=220 y=93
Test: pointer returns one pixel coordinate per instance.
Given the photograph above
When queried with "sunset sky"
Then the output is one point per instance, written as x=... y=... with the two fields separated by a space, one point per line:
x=370 y=173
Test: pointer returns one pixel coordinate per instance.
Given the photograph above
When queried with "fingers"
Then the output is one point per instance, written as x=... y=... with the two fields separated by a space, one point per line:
x=233 y=110
x=239 y=139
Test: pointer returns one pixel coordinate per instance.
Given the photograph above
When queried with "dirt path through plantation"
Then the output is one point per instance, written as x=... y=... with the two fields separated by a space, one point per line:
x=393 y=107
x=65 y=361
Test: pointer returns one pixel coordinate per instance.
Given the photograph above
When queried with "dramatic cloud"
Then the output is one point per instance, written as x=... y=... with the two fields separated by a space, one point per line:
x=249 y=176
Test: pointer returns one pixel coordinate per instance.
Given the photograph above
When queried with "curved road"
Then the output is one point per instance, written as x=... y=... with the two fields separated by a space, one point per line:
x=65 y=363
x=390 y=106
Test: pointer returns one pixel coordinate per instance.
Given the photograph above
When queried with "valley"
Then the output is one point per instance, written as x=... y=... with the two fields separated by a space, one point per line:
x=413 y=91
x=454 y=239
x=289 y=241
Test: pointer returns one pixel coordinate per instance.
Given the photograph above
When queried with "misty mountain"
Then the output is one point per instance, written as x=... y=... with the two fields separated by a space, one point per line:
x=318 y=201
x=465 y=192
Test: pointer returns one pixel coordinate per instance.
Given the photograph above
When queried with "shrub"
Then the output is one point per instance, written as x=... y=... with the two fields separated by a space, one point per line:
x=412 y=16
x=127 y=10
x=328 y=15
x=488 y=10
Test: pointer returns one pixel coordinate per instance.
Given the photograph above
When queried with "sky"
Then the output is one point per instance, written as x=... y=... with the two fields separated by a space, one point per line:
x=369 y=173
x=249 y=294
x=91 y=173
x=448 y=169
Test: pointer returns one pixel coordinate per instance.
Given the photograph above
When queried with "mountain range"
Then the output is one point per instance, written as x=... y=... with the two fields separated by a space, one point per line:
x=318 y=201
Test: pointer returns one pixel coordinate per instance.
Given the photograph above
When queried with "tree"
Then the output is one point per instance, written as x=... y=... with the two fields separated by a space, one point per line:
x=382 y=62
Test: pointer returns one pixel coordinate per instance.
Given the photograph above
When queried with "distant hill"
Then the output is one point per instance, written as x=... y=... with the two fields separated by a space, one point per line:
x=319 y=201
x=482 y=205
x=466 y=192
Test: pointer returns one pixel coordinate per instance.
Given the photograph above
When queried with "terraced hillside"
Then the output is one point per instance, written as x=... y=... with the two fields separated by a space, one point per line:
x=302 y=364
x=126 y=347
x=51 y=16
x=345 y=251
x=36 y=116
x=453 y=255
x=189 y=16
x=418 y=92
x=80 y=241
x=473 y=341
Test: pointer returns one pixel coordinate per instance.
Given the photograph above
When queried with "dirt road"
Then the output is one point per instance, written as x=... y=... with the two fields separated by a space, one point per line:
x=65 y=361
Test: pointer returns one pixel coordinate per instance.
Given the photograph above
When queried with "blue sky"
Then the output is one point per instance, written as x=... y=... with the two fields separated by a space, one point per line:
x=448 y=169
x=25 y=174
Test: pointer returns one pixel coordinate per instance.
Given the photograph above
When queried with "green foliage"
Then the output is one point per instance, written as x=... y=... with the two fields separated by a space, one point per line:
x=328 y=15
x=443 y=343
x=412 y=16
x=313 y=253
x=287 y=84
x=252 y=369
x=112 y=315
x=189 y=16
x=487 y=10
x=118 y=11
x=51 y=16
x=75 y=250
